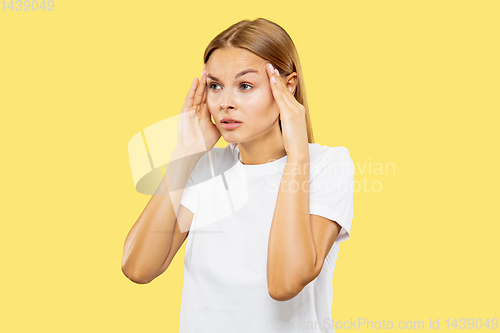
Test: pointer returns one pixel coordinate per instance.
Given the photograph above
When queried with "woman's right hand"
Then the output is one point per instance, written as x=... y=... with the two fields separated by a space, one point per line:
x=196 y=130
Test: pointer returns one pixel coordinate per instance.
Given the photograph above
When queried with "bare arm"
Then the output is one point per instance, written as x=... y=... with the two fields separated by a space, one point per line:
x=298 y=242
x=162 y=227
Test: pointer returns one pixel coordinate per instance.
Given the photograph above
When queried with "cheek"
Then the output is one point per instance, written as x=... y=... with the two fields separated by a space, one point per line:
x=212 y=105
x=263 y=102
x=268 y=105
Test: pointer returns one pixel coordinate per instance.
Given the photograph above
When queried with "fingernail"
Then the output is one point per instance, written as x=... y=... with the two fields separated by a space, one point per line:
x=270 y=68
x=277 y=73
x=273 y=80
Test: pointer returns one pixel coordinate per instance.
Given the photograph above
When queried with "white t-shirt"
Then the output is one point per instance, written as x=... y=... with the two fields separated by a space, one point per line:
x=225 y=280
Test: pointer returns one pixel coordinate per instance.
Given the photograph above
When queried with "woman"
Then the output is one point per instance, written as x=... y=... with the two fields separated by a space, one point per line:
x=266 y=214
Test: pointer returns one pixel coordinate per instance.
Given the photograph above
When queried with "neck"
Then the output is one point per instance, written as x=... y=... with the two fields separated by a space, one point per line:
x=265 y=148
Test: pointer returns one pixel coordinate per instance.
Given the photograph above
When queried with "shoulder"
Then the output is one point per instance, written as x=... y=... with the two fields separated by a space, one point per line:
x=330 y=162
x=321 y=155
x=215 y=162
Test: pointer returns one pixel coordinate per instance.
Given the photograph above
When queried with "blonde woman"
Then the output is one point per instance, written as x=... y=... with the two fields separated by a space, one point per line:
x=264 y=216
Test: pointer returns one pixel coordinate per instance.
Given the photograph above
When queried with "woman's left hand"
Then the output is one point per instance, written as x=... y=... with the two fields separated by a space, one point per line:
x=293 y=117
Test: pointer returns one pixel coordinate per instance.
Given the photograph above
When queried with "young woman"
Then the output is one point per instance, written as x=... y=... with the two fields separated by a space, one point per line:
x=266 y=214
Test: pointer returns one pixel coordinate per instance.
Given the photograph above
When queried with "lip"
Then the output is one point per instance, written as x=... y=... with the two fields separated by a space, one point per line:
x=230 y=126
x=230 y=119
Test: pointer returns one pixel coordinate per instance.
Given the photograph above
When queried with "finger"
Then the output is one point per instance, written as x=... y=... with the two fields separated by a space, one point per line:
x=280 y=84
x=279 y=98
x=272 y=77
x=204 y=111
x=269 y=71
x=285 y=93
x=201 y=88
x=205 y=93
x=203 y=100
x=274 y=73
x=277 y=89
x=188 y=101
x=280 y=92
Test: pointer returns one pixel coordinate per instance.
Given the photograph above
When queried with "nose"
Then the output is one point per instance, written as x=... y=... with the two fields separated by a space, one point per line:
x=227 y=101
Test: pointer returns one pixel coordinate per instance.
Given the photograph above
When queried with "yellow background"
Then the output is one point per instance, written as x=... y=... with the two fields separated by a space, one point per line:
x=413 y=85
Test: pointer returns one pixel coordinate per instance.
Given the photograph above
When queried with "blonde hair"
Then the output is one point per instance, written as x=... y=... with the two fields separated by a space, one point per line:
x=271 y=42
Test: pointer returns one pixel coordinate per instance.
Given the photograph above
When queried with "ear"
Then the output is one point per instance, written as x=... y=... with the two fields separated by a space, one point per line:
x=291 y=82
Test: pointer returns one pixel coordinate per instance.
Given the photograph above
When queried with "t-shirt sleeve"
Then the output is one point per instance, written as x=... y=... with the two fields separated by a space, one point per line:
x=189 y=196
x=332 y=191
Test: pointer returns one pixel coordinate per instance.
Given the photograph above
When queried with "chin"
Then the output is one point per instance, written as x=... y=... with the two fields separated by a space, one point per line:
x=231 y=139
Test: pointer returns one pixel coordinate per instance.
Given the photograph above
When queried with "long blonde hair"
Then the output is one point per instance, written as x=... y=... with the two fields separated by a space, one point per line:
x=271 y=42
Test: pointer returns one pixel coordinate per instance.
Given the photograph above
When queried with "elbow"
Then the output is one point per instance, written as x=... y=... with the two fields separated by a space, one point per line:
x=281 y=293
x=135 y=277
x=285 y=291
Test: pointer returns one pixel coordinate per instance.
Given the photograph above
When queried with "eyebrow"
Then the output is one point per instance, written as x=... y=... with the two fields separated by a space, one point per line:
x=246 y=71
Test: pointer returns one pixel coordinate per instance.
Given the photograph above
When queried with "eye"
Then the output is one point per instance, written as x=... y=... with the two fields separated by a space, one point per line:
x=210 y=86
x=246 y=84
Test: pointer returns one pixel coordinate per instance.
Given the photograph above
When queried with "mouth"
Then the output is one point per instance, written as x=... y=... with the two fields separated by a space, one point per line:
x=229 y=120
x=230 y=123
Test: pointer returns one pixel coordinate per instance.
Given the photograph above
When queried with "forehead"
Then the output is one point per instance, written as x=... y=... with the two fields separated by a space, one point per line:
x=233 y=59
